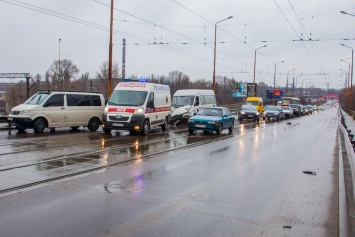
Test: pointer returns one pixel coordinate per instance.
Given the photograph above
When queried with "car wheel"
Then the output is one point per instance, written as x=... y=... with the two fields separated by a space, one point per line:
x=74 y=128
x=39 y=126
x=278 y=119
x=231 y=128
x=107 y=130
x=145 y=128
x=191 y=131
x=94 y=124
x=164 y=127
x=206 y=132
x=220 y=129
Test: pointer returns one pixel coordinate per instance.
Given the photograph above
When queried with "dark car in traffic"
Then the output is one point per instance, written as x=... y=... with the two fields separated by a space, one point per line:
x=273 y=112
x=248 y=111
x=296 y=109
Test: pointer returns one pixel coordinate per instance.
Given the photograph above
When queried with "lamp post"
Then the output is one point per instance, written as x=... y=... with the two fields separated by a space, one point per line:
x=255 y=67
x=352 y=72
x=346 y=76
x=214 y=57
x=287 y=81
x=59 y=70
x=273 y=102
x=348 y=71
x=347 y=13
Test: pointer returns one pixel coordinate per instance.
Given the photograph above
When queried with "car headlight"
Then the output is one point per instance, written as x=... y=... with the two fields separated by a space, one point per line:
x=26 y=112
x=106 y=110
x=190 y=121
x=139 y=110
x=276 y=113
x=257 y=113
x=243 y=112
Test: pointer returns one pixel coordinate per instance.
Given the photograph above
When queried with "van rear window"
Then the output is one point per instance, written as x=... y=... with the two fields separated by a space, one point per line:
x=83 y=100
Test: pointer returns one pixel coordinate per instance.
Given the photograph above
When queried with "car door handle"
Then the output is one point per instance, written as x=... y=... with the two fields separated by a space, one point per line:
x=62 y=108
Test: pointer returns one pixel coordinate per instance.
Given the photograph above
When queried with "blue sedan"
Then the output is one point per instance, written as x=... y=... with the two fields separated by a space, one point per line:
x=211 y=119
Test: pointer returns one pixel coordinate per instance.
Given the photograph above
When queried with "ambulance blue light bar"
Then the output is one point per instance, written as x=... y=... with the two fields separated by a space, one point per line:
x=142 y=79
x=127 y=79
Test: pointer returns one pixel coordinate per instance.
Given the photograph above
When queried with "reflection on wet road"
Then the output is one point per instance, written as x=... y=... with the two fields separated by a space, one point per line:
x=27 y=161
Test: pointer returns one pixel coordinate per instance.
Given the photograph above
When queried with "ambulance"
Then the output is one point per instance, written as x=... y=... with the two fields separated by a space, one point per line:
x=137 y=106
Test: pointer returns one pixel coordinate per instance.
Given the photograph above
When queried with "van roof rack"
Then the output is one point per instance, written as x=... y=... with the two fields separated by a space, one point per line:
x=50 y=91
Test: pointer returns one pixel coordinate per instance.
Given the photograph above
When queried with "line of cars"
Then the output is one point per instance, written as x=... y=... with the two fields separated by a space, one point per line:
x=271 y=112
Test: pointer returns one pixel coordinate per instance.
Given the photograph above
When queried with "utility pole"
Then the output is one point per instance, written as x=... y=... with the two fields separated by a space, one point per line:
x=109 y=84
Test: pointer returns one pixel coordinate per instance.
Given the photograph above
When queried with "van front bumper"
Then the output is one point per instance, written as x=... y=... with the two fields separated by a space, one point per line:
x=21 y=122
x=135 y=123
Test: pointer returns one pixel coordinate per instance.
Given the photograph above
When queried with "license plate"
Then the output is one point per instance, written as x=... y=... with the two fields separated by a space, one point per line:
x=200 y=126
x=250 y=116
x=10 y=119
x=117 y=124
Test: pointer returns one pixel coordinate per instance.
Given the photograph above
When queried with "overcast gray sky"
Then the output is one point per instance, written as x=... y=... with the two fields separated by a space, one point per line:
x=183 y=31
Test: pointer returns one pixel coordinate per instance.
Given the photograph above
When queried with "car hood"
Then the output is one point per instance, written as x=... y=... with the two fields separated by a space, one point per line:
x=205 y=118
x=22 y=107
x=180 y=110
x=249 y=111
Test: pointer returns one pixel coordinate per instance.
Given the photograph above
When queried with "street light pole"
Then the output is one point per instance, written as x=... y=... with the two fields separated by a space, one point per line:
x=287 y=81
x=59 y=71
x=352 y=72
x=273 y=101
x=347 y=13
x=348 y=72
x=214 y=57
x=254 y=94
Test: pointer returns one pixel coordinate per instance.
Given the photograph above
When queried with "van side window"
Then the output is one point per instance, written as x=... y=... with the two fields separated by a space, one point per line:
x=202 y=100
x=151 y=100
x=83 y=100
x=55 y=101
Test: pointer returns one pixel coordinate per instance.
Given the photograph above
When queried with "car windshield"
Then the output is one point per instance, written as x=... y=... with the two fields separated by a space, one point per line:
x=210 y=112
x=252 y=102
x=248 y=107
x=182 y=100
x=273 y=108
x=36 y=99
x=127 y=98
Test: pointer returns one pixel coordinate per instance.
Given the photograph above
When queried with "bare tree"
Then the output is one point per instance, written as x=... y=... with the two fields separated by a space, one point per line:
x=68 y=70
x=103 y=75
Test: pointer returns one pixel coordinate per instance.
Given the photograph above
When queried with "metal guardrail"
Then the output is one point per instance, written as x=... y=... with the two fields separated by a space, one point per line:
x=349 y=145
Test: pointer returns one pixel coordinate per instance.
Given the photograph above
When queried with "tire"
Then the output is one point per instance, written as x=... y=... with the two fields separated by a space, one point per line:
x=145 y=128
x=220 y=129
x=74 y=128
x=107 y=130
x=165 y=125
x=94 y=124
x=191 y=131
x=206 y=132
x=278 y=119
x=231 y=128
x=39 y=126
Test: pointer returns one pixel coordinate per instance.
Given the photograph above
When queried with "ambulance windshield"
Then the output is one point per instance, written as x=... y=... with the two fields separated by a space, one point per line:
x=127 y=98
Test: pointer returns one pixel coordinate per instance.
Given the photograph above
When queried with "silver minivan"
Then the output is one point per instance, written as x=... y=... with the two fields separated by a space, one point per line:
x=54 y=109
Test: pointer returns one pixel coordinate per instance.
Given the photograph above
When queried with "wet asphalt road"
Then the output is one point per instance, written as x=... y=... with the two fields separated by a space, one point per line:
x=248 y=184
